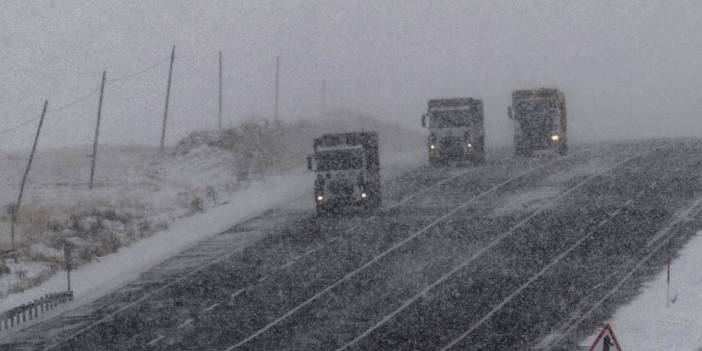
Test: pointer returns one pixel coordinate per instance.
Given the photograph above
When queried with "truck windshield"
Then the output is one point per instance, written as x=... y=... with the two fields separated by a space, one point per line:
x=339 y=159
x=536 y=116
x=542 y=107
x=450 y=118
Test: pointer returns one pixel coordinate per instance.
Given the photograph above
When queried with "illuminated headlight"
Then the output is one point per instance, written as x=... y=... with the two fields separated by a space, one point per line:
x=432 y=147
x=364 y=195
x=469 y=145
x=555 y=137
x=320 y=198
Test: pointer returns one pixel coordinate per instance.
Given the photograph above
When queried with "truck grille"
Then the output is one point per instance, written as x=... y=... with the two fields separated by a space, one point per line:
x=341 y=188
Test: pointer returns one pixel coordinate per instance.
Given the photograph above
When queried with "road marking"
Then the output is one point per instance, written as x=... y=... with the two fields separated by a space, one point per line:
x=186 y=323
x=356 y=226
x=378 y=257
x=626 y=277
x=237 y=293
x=155 y=340
x=109 y=316
x=533 y=278
x=684 y=214
x=211 y=307
x=262 y=278
x=480 y=252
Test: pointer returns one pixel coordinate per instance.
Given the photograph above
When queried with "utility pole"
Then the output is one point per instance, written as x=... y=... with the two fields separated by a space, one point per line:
x=168 y=95
x=24 y=177
x=277 y=86
x=97 y=131
x=220 y=91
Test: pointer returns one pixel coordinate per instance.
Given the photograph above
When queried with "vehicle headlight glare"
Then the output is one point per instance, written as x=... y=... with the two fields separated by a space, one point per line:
x=555 y=137
x=364 y=195
x=320 y=198
x=432 y=147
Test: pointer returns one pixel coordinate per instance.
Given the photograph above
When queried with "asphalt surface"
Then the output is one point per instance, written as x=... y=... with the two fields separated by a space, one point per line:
x=511 y=255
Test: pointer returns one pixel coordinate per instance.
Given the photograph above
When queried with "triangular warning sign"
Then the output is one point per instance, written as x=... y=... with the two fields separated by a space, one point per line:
x=606 y=341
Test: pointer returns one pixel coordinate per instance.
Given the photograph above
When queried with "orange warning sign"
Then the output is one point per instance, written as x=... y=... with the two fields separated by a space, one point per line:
x=605 y=341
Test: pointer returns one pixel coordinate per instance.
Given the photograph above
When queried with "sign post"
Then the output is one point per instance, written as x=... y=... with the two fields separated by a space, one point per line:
x=12 y=212
x=67 y=247
x=605 y=341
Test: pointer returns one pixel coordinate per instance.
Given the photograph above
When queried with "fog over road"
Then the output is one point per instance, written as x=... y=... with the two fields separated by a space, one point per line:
x=512 y=255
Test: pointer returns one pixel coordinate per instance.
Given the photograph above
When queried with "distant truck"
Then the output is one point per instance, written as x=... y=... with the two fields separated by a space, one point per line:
x=348 y=171
x=456 y=131
x=539 y=117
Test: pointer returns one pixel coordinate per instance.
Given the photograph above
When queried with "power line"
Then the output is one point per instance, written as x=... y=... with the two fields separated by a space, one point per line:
x=75 y=101
x=84 y=97
x=19 y=126
x=149 y=68
x=212 y=75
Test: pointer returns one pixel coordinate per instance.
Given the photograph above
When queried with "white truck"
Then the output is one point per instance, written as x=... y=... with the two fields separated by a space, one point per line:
x=348 y=171
x=539 y=117
x=456 y=131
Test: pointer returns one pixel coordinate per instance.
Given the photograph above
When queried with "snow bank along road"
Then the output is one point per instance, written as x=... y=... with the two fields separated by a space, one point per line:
x=511 y=255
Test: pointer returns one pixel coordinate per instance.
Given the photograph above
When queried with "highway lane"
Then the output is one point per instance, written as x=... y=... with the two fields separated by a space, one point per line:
x=254 y=308
x=262 y=308
x=345 y=312
x=454 y=316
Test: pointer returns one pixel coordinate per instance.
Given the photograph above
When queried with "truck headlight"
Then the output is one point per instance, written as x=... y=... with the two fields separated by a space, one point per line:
x=555 y=137
x=432 y=147
x=469 y=145
x=364 y=195
x=320 y=198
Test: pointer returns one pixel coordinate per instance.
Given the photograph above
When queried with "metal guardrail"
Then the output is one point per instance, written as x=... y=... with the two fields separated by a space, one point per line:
x=23 y=313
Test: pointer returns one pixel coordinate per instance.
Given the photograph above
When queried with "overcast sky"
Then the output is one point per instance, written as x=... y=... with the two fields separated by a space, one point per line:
x=628 y=68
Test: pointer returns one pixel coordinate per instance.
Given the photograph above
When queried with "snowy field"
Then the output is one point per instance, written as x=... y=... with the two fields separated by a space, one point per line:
x=651 y=322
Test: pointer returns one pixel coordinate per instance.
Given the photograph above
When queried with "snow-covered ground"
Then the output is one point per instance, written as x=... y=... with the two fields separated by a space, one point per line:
x=114 y=270
x=651 y=323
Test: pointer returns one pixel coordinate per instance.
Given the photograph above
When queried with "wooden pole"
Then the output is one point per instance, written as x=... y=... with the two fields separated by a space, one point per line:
x=220 y=91
x=97 y=131
x=26 y=173
x=168 y=95
x=277 y=86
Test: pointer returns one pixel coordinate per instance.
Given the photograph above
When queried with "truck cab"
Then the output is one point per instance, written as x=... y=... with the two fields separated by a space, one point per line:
x=347 y=171
x=456 y=131
x=539 y=118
